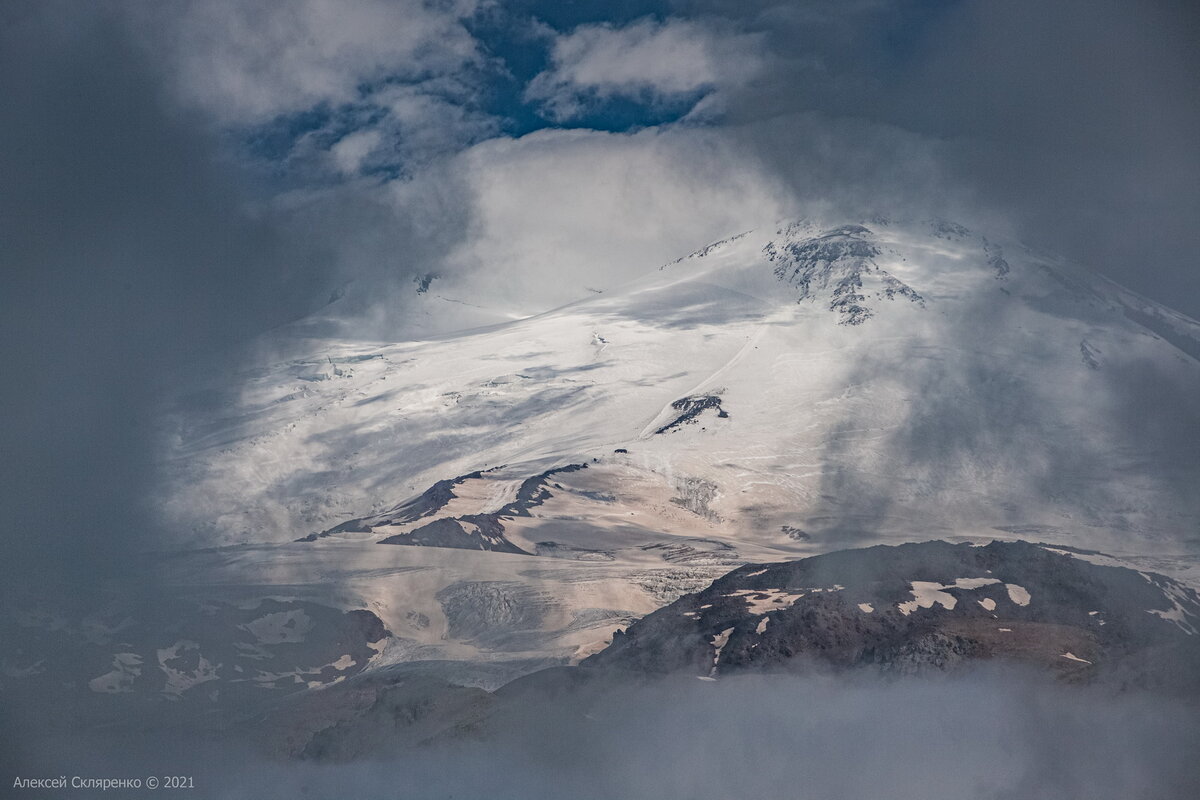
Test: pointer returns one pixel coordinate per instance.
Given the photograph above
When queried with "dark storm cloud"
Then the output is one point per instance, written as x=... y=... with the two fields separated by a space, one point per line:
x=124 y=256
x=1082 y=121
x=1076 y=120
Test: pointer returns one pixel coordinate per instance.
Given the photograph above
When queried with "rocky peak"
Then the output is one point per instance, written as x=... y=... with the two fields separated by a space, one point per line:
x=838 y=267
x=935 y=605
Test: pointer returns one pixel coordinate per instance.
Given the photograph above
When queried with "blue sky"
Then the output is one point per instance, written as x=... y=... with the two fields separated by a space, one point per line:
x=517 y=39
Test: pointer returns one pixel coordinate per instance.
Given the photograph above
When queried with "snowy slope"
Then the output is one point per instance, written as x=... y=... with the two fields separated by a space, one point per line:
x=969 y=387
x=793 y=390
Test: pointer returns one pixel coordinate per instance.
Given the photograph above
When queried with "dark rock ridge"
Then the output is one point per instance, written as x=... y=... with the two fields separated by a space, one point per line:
x=466 y=532
x=933 y=605
x=533 y=492
x=914 y=609
x=833 y=264
x=426 y=504
x=692 y=407
x=704 y=251
x=995 y=260
x=423 y=281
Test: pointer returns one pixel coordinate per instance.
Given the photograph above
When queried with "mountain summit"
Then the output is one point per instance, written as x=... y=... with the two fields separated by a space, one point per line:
x=527 y=487
x=864 y=380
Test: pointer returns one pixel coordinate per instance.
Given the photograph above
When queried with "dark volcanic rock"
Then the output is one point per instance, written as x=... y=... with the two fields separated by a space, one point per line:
x=425 y=504
x=690 y=408
x=470 y=532
x=533 y=492
x=832 y=265
x=928 y=606
x=467 y=532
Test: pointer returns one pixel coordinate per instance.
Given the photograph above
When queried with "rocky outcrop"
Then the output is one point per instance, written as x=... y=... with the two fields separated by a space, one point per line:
x=465 y=532
x=837 y=266
x=934 y=605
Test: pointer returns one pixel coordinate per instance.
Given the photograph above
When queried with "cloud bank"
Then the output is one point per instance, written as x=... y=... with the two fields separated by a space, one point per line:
x=654 y=62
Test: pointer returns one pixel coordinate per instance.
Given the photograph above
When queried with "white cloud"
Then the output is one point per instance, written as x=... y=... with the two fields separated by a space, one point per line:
x=646 y=60
x=557 y=211
x=246 y=62
x=350 y=153
x=519 y=226
x=435 y=118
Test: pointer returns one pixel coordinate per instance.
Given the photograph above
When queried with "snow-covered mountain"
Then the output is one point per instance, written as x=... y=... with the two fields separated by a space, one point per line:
x=848 y=381
x=524 y=488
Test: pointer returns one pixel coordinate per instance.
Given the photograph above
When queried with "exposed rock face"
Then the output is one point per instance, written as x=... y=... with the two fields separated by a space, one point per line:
x=426 y=504
x=690 y=408
x=465 y=532
x=470 y=532
x=837 y=265
x=927 y=606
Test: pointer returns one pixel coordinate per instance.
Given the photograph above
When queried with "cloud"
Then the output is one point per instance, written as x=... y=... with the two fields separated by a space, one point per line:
x=130 y=250
x=351 y=151
x=1073 y=121
x=646 y=61
x=521 y=225
x=1079 y=121
x=994 y=734
x=245 y=62
x=322 y=91
x=555 y=212
x=434 y=119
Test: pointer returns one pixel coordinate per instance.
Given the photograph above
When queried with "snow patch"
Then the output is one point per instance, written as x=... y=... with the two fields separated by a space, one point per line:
x=927 y=593
x=1099 y=559
x=973 y=583
x=719 y=643
x=1017 y=594
x=760 y=601
x=1176 y=613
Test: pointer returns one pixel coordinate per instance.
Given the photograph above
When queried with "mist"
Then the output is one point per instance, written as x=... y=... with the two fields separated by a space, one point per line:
x=992 y=733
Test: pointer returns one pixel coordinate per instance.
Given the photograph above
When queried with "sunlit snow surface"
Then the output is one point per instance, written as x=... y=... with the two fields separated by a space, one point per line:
x=745 y=403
